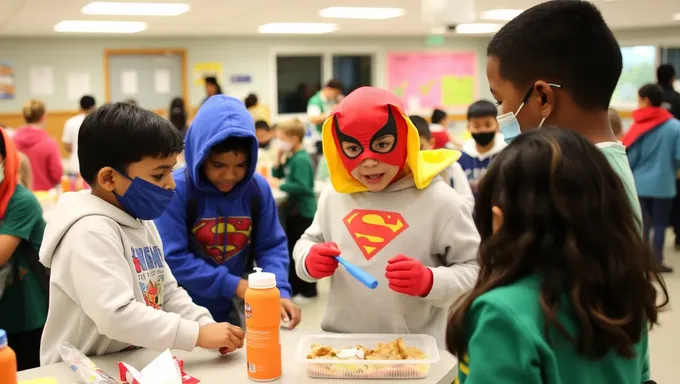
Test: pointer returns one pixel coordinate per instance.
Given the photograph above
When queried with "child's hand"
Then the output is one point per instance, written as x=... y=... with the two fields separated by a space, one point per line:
x=290 y=313
x=408 y=276
x=320 y=261
x=223 y=336
x=274 y=182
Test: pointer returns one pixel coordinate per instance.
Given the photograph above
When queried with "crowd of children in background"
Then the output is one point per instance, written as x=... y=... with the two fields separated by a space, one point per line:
x=557 y=216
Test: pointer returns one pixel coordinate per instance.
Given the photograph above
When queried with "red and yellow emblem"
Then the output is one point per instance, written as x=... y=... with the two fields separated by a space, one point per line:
x=373 y=230
x=223 y=237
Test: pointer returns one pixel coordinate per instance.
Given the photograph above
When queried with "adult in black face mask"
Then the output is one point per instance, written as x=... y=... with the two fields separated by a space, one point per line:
x=485 y=143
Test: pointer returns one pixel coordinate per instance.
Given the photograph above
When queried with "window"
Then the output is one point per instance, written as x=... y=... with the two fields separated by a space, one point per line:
x=353 y=71
x=639 y=68
x=297 y=79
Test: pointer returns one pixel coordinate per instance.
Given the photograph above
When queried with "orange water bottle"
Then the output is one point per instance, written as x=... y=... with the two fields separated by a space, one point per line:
x=8 y=361
x=263 y=319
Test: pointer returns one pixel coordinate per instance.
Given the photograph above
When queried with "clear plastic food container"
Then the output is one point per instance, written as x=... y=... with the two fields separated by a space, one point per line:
x=367 y=369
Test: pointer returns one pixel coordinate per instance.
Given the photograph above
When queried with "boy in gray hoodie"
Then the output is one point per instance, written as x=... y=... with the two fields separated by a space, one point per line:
x=390 y=213
x=110 y=287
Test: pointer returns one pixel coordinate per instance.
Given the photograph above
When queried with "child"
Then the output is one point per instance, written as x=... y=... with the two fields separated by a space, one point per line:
x=268 y=145
x=23 y=297
x=223 y=217
x=440 y=129
x=110 y=287
x=392 y=215
x=566 y=287
x=300 y=206
x=485 y=143
x=615 y=122
x=541 y=70
x=653 y=147
x=455 y=175
x=41 y=149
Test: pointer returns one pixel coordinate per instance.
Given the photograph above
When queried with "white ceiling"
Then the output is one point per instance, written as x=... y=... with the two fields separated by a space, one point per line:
x=242 y=17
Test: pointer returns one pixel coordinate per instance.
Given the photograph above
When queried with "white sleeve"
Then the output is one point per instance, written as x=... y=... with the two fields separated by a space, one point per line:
x=313 y=110
x=313 y=235
x=177 y=300
x=103 y=286
x=461 y=184
x=458 y=245
x=67 y=136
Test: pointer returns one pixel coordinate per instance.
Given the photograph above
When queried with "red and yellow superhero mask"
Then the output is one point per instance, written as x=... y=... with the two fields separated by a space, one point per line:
x=370 y=124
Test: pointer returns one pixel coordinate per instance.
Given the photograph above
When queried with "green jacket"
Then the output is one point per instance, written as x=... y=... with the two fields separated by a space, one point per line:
x=298 y=184
x=507 y=345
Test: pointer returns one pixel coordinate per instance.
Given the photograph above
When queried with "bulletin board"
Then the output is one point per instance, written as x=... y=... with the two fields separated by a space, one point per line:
x=433 y=79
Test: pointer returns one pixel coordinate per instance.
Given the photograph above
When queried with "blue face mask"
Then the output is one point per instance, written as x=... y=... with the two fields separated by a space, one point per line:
x=144 y=200
x=508 y=122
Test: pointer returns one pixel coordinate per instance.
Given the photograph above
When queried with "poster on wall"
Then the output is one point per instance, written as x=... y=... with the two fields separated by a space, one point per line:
x=7 y=81
x=203 y=70
x=425 y=80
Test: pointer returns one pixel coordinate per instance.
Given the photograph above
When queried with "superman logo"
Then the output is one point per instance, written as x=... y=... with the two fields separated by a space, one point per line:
x=223 y=237
x=373 y=230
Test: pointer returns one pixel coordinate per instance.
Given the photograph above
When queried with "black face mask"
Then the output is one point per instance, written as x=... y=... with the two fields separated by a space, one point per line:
x=484 y=138
x=264 y=145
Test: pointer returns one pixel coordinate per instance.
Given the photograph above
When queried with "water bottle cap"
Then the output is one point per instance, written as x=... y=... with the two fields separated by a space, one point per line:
x=261 y=280
x=3 y=338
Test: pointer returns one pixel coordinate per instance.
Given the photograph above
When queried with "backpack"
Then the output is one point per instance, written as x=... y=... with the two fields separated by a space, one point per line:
x=192 y=215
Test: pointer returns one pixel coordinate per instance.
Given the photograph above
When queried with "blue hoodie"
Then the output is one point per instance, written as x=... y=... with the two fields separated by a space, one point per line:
x=210 y=264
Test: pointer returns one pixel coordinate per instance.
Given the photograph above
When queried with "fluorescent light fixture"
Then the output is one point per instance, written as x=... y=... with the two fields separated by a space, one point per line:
x=676 y=17
x=473 y=28
x=501 y=14
x=368 y=13
x=135 y=9
x=82 y=26
x=297 y=28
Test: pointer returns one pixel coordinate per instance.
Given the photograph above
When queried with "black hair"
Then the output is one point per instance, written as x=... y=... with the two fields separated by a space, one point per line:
x=652 y=92
x=3 y=150
x=438 y=116
x=117 y=135
x=335 y=84
x=422 y=126
x=562 y=41
x=213 y=81
x=482 y=108
x=233 y=144
x=261 y=124
x=567 y=219
x=665 y=74
x=250 y=101
x=87 y=102
x=178 y=114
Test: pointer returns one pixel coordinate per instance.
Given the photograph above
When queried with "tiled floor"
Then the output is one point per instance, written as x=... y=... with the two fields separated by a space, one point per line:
x=664 y=340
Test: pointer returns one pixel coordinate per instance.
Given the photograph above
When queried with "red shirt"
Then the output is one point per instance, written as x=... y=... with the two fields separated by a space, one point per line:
x=43 y=153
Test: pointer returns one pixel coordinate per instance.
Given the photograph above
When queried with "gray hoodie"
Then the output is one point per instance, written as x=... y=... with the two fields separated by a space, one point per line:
x=433 y=225
x=110 y=287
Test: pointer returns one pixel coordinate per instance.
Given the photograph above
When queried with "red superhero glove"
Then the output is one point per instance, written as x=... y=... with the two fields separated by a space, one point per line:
x=320 y=261
x=408 y=276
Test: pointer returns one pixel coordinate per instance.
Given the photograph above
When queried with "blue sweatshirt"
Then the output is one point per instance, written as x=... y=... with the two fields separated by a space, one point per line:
x=654 y=160
x=474 y=163
x=209 y=265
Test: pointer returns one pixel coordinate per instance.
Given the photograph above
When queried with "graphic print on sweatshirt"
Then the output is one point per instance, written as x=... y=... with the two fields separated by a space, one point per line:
x=372 y=230
x=223 y=237
x=150 y=271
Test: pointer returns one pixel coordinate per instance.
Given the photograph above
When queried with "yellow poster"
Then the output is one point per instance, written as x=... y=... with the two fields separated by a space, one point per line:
x=202 y=70
x=458 y=90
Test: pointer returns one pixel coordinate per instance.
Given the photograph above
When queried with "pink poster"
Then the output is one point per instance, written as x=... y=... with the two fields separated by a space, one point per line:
x=433 y=79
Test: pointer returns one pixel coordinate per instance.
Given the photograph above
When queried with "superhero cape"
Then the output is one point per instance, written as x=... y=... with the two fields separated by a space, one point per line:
x=645 y=120
x=365 y=113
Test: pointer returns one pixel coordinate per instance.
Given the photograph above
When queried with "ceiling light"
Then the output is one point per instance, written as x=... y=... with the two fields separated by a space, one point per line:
x=472 y=28
x=361 y=13
x=82 y=26
x=297 y=28
x=135 y=9
x=676 y=17
x=501 y=14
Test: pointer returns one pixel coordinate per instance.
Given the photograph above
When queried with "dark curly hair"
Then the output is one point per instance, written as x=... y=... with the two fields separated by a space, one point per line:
x=567 y=218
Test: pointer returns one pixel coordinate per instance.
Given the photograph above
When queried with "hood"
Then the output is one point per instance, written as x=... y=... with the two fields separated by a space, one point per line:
x=29 y=135
x=365 y=104
x=218 y=119
x=70 y=208
x=645 y=120
x=470 y=147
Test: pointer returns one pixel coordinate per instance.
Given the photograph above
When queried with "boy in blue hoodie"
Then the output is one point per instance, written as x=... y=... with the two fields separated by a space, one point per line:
x=223 y=216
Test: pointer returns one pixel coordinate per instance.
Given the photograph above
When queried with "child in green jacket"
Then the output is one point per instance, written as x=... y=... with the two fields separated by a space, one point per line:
x=295 y=177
